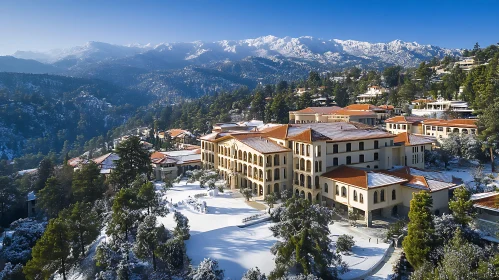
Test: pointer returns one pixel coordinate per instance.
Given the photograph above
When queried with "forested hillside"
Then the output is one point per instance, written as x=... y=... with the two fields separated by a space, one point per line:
x=44 y=113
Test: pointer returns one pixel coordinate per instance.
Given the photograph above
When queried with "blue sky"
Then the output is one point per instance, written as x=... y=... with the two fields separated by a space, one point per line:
x=48 y=24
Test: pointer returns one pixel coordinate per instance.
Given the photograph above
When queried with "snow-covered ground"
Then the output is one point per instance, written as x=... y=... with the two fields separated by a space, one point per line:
x=366 y=254
x=216 y=234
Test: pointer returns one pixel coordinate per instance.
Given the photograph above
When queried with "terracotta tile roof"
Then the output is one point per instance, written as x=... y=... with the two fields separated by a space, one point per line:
x=361 y=178
x=318 y=110
x=362 y=107
x=466 y=123
x=387 y=107
x=157 y=155
x=176 y=132
x=403 y=119
x=309 y=135
x=280 y=132
x=409 y=139
x=491 y=202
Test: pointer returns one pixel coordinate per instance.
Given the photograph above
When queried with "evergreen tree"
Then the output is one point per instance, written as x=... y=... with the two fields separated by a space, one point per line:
x=84 y=226
x=45 y=170
x=270 y=199
x=305 y=100
x=88 y=184
x=54 y=197
x=279 y=110
x=133 y=161
x=341 y=95
x=9 y=196
x=304 y=232
x=126 y=213
x=207 y=270
x=488 y=129
x=418 y=242
x=258 y=106
x=254 y=274
x=173 y=255
x=148 y=239
x=50 y=253
x=149 y=199
x=461 y=206
x=392 y=75
x=182 y=229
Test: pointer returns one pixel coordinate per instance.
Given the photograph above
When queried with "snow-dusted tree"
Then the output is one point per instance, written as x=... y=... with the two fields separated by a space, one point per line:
x=246 y=192
x=452 y=144
x=178 y=179
x=182 y=229
x=461 y=206
x=471 y=147
x=168 y=184
x=207 y=270
x=126 y=214
x=150 y=200
x=344 y=243
x=270 y=199
x=254 y=274
x=300 y=277
x=149 y=236
x=303 y=229
x=84 y=226
x=26 y=233
x=51 y=252
x=12 y=272
x=88 y=184
x=285 y=195
x=173 y=255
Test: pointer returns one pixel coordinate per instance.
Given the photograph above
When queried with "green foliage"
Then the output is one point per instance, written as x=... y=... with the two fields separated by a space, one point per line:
x=133 y=161
x=270 y=199
x=173 y=256
x=304 y=232
x=9 y=197
x=418 y=242
x=83 y=225
x=45 y=170
x=54 y=197
x=150 y=200
x=247 y=193
x=395 y=229
x=88 y=183
x=125 y=214
x=344 y=243
x=461 y=206
x=182 y=229
x=149 y=237
x=50 y=253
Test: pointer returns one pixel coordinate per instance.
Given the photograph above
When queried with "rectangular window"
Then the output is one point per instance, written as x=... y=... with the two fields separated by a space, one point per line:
x=376 y=144
x=335 y=148
x=349 y=147
x=361 y=146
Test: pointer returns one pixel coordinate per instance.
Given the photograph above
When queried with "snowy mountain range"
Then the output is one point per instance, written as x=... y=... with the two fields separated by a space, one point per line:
x=334 y=51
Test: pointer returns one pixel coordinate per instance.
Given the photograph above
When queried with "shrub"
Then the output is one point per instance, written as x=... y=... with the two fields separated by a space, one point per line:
x=344 y=243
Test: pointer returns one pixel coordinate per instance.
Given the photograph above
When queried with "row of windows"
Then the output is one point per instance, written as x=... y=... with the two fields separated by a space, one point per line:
x=397 y=126
x=360 y=197
x=349 y=159
x=304 y=150
x=361 y=146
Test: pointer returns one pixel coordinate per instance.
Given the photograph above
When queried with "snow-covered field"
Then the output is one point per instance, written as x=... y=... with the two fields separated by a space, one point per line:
x=216 y=234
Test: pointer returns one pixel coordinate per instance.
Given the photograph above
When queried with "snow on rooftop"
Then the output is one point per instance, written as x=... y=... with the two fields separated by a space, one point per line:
x=22 y=172
x=263 y=145
x=482 y=195
x=31 y=196
x=375 y=179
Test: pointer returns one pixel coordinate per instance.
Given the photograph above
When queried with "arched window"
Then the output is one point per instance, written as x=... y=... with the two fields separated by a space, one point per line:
x=326 y=188
x=309 y=165
x=376 y=197
x=309 y=182
x=261 y=161
x=283 y=159
x=276 y=160
x=302 y=164
x=382 y=196
x=317 y=182
x=302 y=180
x=355 y=195
x=361 y=198
x=255 y=159
x=343 y=191
x=394 y=195
x=250 y=157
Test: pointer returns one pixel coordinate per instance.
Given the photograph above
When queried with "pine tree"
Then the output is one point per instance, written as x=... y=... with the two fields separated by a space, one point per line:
x=150 y=200
x=54 y=197
x=488 y=129
x=254 y=274
x=126 y=213
x=84 y=226
x=88 y=183
x=258 y=106
x=341 y=95
x=51 y=252
x=45 y=171
x=304 y=231
x=418 y=242
x=461 y=206
x=182 y=229
x=148 y=239
x=207 y=270
x=9 y=195
x=133 y=161
x=173 y=255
